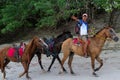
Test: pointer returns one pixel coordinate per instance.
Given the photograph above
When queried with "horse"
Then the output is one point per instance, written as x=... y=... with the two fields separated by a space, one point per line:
x=56 y=48
x=94 y=48
x=29 y=51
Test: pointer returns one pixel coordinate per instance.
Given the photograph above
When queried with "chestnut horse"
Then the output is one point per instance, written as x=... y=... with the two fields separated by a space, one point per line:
x=30 y=48
x=56 y=48
x=94 y=48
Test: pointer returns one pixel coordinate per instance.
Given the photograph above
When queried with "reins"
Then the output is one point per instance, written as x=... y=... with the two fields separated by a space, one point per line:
x=100 y=37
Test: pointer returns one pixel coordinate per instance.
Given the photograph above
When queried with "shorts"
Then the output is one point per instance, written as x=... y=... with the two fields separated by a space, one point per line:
x=84 y=37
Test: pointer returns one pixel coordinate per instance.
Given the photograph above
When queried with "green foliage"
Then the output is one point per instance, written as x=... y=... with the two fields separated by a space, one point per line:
x=11 y=26
x=108 y=5
x=46 y=13
x=42 y=13
x=14 y=15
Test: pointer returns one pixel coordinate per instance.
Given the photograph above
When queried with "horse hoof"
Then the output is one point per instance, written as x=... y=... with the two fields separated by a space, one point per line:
x=72 y=72
x=48 y=71
x=19 y=76
x=29 y=78
x=60 y=72
x=95 y=74
x=96 y=69
x=64 y=69
x=4 y=79
x=65 y=72
x=43 y=71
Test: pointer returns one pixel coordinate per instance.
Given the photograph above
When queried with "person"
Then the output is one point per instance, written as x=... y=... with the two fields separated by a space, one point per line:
x=83 y=31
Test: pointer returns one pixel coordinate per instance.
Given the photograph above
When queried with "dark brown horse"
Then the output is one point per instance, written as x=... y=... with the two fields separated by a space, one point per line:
x=29 y=51
x=56 y=48
x=93 y=49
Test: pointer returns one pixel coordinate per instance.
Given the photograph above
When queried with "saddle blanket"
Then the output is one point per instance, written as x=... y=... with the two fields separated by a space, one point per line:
x=77 y=42
x=11 y=52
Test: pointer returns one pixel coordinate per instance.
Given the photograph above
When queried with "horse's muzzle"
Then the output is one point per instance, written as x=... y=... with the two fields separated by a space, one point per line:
x=116 y=39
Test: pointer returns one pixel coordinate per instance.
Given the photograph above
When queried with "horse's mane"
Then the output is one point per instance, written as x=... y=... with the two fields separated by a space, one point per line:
x=30 y=44
x=64 y=32
x=100 y=31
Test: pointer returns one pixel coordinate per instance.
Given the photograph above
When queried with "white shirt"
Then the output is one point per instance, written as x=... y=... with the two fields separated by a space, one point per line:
x=83 y=29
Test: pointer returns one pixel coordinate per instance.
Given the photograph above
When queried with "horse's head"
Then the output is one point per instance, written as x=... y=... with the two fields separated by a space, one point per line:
x=39 y=43
x=110 y=33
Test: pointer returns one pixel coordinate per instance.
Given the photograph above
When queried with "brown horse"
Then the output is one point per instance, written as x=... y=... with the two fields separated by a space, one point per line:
x=29 y=51
x=94 y=48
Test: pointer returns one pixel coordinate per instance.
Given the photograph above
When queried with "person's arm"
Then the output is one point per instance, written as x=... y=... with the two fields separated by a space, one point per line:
x=75 y=18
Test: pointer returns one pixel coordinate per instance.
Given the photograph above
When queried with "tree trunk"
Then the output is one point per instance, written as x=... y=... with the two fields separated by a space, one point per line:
x=112 y=18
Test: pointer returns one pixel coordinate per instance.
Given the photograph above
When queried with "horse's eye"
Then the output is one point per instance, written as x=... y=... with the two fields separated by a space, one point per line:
x=39 y=41
x=111 y=31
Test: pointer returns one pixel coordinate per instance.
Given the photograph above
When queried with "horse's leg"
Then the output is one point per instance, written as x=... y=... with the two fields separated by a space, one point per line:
x=3 y=70
x=6 y=62
x=3 y=64
x=53 y=60
x=58 y=58
x=40 y=62
x=93 y=65
x=70 y=62
x=65 y=56
x=25 y=66
x=3 y=74
x=23 y=63
x=101 y=63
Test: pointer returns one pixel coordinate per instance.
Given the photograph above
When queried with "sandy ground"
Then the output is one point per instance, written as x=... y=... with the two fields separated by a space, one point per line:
x=81 y=67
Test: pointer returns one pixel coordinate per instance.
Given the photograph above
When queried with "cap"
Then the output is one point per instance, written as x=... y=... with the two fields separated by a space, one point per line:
x=85 y=14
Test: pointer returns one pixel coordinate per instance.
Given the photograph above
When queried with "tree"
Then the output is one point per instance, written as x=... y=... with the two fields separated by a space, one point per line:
x=110 y=6
x=49 y=13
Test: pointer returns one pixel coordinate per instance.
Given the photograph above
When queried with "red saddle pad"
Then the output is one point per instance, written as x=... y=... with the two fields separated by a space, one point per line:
x=76 y=41
x=11 y=52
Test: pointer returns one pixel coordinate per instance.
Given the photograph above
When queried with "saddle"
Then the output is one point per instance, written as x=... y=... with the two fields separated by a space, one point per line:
x=16 y=51
x=79 y=42
x=50 y=43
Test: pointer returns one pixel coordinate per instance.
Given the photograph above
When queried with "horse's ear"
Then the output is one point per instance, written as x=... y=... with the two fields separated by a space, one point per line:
x=32 y=41
x=25 y=44
x=64 y=31
x=35 y=37
x=106 y=26
x=109 y=26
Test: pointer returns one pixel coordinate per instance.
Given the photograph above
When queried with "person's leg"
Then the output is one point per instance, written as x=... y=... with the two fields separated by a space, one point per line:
x=79 y=39
x=85 y=45
x=85 y=49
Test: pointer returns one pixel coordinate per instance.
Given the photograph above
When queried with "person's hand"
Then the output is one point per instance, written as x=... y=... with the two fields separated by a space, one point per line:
x=74 y=18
